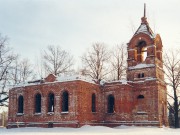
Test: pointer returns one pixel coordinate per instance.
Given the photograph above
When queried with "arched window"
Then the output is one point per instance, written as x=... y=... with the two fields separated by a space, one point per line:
x=140 y=97
x=65 y=100
x=141 y=103
x=111 y=104
x=142 y=51
x=20 y=104
x=38 y=103
x=93 y=103
x=51 y=102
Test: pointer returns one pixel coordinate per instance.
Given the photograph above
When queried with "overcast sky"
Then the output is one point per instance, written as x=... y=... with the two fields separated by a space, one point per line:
x=74 y=25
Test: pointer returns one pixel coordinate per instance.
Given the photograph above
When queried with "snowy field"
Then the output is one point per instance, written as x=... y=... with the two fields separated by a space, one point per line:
x=90 y=130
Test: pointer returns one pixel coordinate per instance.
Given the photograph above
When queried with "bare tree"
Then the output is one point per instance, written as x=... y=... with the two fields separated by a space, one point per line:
x=57 y=61
x=14 y=75
x=12 y=70
x=6 y=59
x=118 y=62
x=172 y=72
x=21 y=71
x=95 y=61
x=40 y=66
x=26 y=70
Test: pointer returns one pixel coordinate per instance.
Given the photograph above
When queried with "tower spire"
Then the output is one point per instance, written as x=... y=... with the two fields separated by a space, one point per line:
x=145 y=10
x=144 y=19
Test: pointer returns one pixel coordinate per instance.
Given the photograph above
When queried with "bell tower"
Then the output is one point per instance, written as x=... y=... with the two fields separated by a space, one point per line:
x=145 y=53
x=145 y=72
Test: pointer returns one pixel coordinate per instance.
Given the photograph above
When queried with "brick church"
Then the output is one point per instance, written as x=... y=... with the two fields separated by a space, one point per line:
x=76 y=101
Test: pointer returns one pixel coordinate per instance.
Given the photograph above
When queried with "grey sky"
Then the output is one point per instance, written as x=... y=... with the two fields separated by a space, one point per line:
x=31 y=25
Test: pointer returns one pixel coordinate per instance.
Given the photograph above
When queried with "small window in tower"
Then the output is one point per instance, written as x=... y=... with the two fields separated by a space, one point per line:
x=140 y=97
x=141 y=75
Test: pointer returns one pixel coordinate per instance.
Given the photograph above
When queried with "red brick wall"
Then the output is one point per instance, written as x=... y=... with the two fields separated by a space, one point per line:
x=79 y=102
x=80 y=113
x=123 y=102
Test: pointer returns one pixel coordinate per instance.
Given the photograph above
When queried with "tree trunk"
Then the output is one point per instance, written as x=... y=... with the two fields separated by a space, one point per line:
x=176 y=117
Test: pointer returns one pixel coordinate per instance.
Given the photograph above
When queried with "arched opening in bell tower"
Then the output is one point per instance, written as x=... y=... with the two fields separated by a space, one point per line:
x=141 y=51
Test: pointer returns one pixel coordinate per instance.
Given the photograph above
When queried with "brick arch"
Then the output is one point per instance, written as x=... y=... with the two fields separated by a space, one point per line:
x=38 y=92
x=135 y=50
x=140 y=37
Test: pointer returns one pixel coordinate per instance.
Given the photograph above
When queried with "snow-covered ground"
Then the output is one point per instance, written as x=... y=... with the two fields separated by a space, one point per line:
x=90 y=130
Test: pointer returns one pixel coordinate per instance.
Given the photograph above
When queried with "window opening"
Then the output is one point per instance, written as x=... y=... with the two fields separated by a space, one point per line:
x=142 y=51
x=65 y=107
x=20 y=104
x=140 y=97
x=38 y=103
x=93 y=103
x=111 y=104
x=141 y=103
x=51 y=102
x=141 y=75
